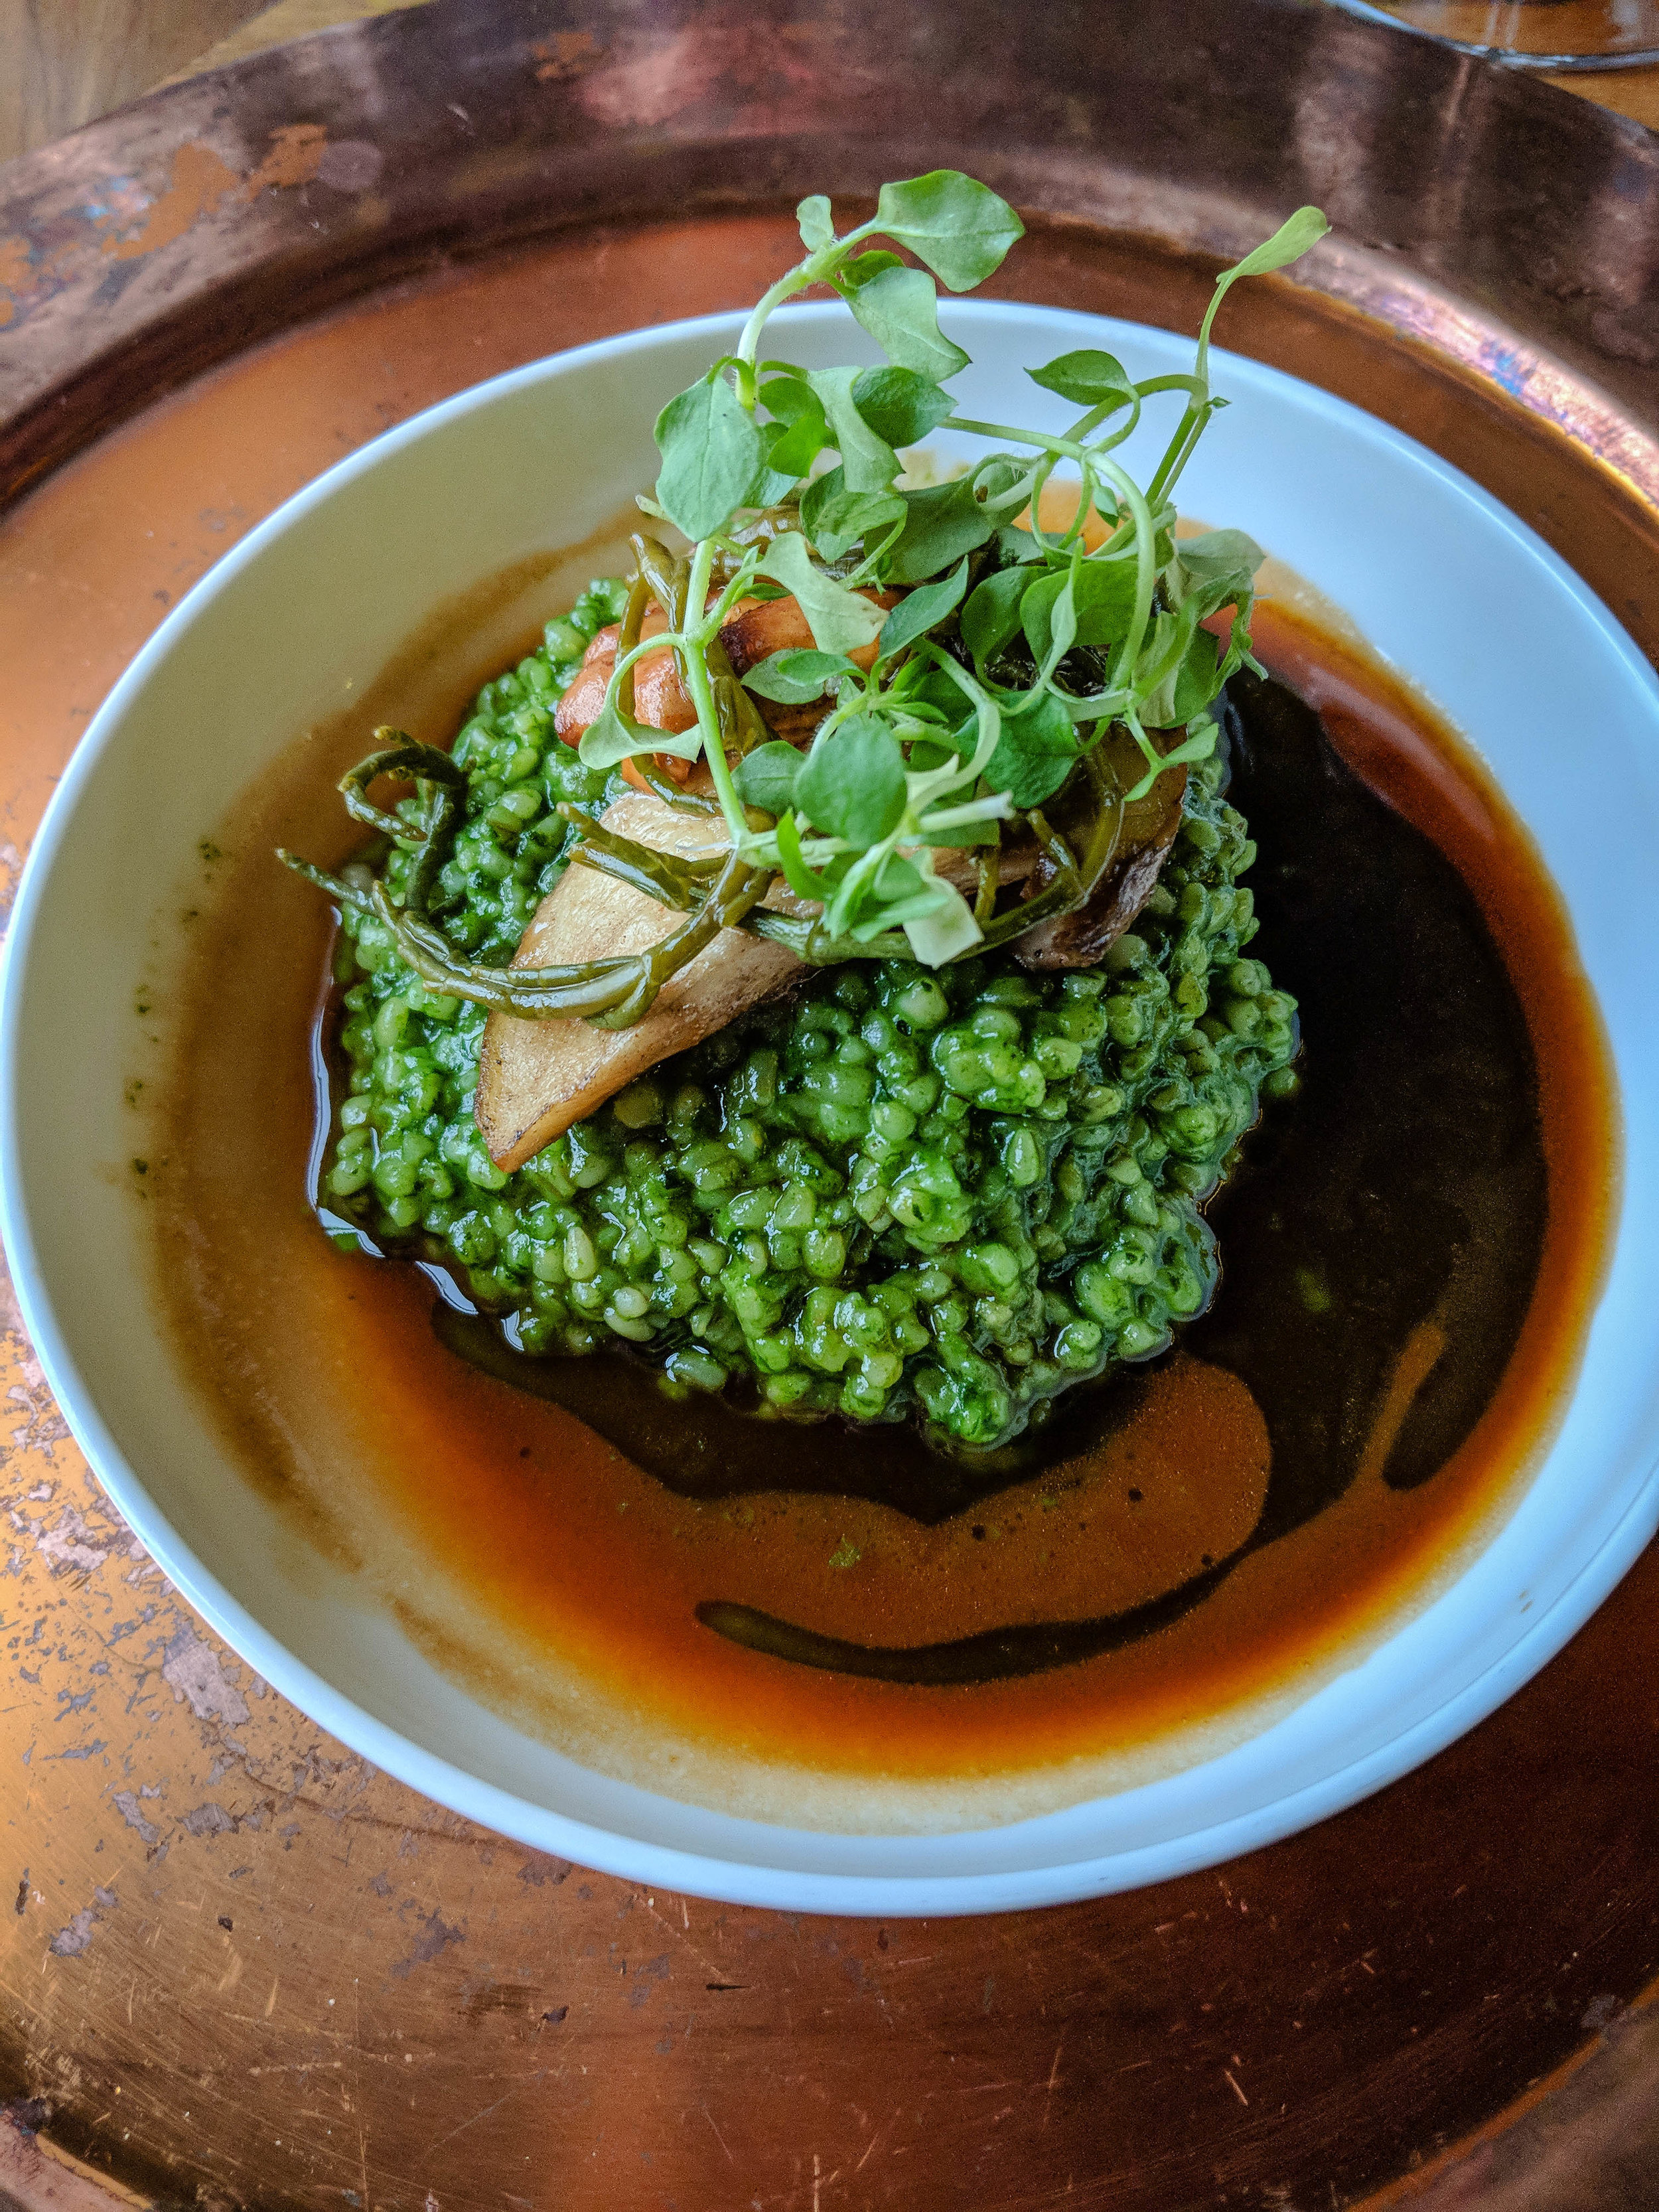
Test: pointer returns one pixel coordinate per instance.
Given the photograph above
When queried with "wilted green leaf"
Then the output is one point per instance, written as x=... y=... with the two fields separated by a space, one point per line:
x=1218 y=568
x=816 y=223
x=946 y=930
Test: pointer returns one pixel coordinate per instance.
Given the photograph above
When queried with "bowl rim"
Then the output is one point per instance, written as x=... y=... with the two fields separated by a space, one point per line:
x=631 y=1858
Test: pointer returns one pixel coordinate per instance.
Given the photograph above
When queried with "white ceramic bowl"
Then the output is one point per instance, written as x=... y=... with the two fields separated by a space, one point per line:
x=1447 y=584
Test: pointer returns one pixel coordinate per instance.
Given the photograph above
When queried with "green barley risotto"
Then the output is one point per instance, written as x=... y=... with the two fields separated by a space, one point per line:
x=947 y=1194
x=910 y=781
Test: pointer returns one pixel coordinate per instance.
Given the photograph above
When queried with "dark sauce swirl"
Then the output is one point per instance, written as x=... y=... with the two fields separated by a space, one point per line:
x=1390 y=1218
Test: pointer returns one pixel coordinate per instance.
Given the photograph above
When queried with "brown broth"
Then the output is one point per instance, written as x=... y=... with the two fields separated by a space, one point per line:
x=1410 y=1253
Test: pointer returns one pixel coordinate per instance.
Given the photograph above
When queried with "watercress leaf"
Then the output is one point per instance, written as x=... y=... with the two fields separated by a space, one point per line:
x=789 y=396
x=990 y=617
x=841 y=621
x=1196 y=679
x=836 y=519
x=1015 y=546
x=800 y=433
x=1105 y=597
x=1087 y=377
x=795 y=676
x=770 y=487
x=1102 y=600
x=862 y=519
x=1157 y=698
x=805 y=882
x=1035 y=752
x=1199 y=743
x=771 y=483
x=958 y=226
x=1288 y=243
x=900 y=405
x=766 y=777
x=898 y=878
x=1218 y=568
x=850 y=785
x=864 y=268
x=607 y=740
x=711 y=454
x=819 y=496
x=1221 y=552
x=941 y=696
x=940 y=524
x=919 y=610
x=899 y=307
x=868 y=462
x=816 y=223
x=1036 y=611
x=1063 y=618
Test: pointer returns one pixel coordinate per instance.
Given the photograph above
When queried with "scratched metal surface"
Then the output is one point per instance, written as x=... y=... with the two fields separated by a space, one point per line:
x=245 y=1970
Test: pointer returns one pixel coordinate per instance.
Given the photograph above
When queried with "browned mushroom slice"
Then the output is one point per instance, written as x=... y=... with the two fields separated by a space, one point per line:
x=1078 y=940
x=536 y=1078
x=756 y=629
x=959 y=865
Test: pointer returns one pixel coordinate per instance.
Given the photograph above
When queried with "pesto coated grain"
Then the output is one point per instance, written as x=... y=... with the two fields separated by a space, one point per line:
x=946 y=1194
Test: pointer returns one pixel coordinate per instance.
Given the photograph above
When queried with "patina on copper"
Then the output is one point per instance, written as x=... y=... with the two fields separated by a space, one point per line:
x=242 y=1968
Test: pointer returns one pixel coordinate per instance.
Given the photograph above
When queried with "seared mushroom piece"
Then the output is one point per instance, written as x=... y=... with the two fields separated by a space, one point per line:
x=1148 y=831
x=755 y=630
x=536 y=1078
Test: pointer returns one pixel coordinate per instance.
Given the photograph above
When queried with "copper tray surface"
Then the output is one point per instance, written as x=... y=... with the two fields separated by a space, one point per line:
x=243 y=1969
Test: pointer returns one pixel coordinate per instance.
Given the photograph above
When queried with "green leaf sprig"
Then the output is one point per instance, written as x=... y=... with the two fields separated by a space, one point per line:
x=1001 y=653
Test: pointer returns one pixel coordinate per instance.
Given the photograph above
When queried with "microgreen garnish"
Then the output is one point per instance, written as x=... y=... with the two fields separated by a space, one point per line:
x=996 y=677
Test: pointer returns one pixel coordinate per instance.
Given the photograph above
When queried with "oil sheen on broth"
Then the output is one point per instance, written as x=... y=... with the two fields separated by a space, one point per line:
x=1407 y=1265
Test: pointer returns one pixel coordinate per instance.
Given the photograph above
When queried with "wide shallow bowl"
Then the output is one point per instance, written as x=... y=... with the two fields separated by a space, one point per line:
x=1466 y=600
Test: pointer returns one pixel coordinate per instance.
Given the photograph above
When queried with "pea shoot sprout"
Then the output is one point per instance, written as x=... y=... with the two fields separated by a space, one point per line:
x=1001 y=653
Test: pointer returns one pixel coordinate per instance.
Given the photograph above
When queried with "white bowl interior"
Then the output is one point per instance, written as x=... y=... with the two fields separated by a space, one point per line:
x=1444 y=582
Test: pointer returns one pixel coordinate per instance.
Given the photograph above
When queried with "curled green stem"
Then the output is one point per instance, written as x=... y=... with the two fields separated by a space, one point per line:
x=676 y=881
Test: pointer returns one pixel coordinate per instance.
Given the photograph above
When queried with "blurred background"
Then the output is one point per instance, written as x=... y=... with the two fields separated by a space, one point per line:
x=64 y=62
